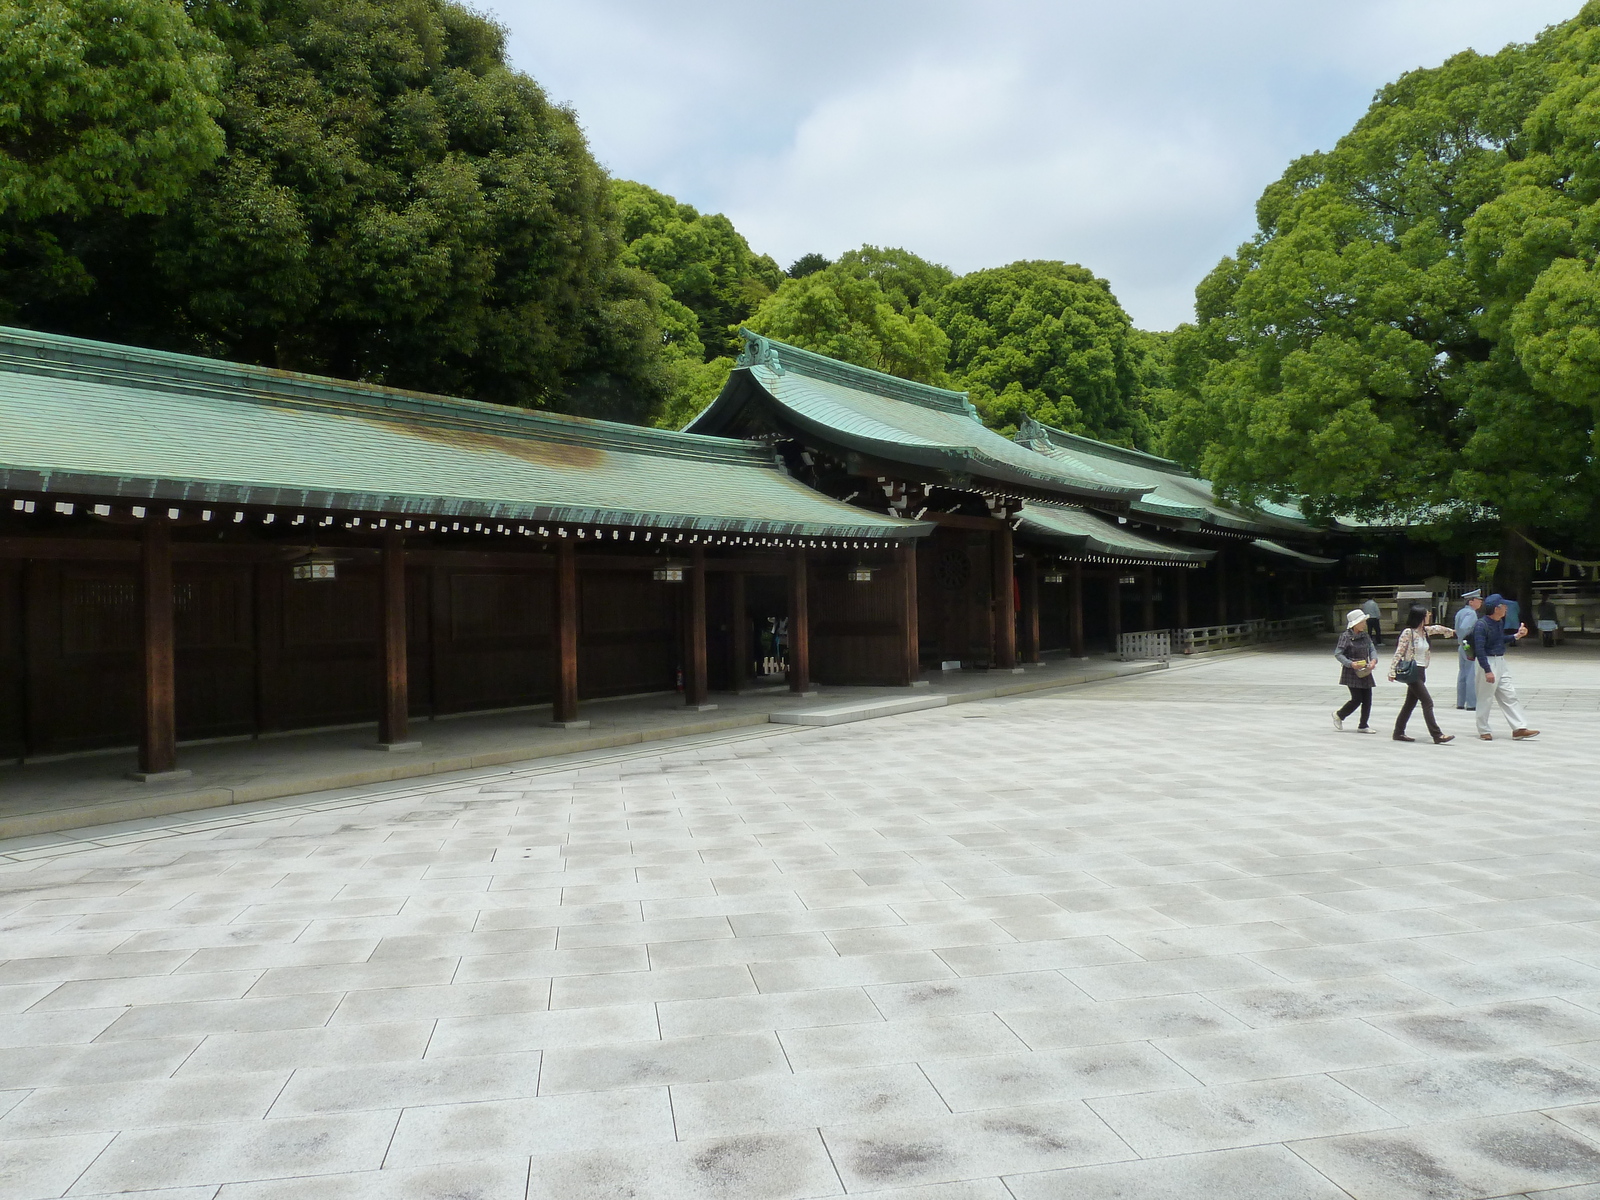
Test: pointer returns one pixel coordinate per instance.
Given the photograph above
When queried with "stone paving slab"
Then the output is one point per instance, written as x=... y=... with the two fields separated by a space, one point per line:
x=1098 y=942
x=85 y=790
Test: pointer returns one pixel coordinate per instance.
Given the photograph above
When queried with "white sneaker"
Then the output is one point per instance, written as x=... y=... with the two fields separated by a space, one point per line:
x=1338 y=722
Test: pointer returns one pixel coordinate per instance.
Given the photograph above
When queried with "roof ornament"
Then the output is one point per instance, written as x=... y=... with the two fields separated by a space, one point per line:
x=758 y=352
x=1032 y=433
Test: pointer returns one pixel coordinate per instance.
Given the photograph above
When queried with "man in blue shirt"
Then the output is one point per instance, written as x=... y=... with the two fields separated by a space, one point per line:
x=1466 y=677
x=1494 y=682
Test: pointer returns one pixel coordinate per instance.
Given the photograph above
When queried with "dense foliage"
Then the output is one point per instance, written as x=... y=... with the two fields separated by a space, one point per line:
x=1414 y=333
x=394 y=204
x=1045 y=340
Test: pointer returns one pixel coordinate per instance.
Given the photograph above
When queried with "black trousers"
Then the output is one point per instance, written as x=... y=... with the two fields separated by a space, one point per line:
x=1417 y=693
x=1359 y=698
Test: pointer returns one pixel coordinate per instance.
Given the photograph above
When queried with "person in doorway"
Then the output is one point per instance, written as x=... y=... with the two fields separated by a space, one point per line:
x=1412 y=647
x=1489 y=642
x=1466 y=669
x=1370 y=607
x=1357 y=659
x=1548 y=622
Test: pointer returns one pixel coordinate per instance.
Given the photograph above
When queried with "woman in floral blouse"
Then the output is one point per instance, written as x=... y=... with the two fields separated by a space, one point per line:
x=1412 y=646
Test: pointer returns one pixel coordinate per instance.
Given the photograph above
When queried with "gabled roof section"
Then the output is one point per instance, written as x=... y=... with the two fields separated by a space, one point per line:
x=1093 y=537
x=94 y=419
x=1173 y=494
x=849 y=409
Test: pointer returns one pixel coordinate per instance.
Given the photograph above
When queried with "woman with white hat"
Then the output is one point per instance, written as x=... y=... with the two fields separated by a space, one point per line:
x=1357 y=658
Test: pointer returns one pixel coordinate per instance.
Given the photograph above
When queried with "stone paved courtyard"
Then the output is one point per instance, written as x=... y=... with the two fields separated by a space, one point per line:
x=1168 y=938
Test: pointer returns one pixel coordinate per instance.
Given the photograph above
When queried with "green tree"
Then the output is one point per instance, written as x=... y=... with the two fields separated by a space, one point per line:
x=103 y=104
x=1411 y=334
x=701 y=257
x=1046 y=340
x=396 y=204
x=808 y=264
x=844 y=312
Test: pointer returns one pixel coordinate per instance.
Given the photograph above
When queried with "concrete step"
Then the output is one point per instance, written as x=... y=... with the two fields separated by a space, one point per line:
x=861 y=710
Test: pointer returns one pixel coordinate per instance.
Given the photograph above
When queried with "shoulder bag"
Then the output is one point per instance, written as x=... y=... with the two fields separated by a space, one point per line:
x=1405 y=669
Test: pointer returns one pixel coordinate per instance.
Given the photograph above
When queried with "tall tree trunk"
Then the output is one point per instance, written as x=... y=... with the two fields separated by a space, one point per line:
x=1513 y=574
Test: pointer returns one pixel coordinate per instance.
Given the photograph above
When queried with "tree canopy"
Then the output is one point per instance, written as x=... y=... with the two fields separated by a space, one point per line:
x=845 y=310
x=394 y=204
x=1412 y=332
x=1045 y=340
x=702 y=258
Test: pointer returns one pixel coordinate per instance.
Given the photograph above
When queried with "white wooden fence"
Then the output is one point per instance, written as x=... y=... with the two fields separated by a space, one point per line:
x=1205 y=638
x=1153 y=643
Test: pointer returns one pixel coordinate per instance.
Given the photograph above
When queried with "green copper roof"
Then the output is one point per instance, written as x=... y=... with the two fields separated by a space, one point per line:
x=1172 y=492
x=1090 y=535
x=92 y=419
x=893 y=421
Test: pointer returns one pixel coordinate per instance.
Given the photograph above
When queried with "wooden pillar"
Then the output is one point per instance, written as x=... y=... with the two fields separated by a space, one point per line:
x=694 y=633
x=1075 y=612
x=799 y=624
x=905 y=561
x=1219 y=584
x=158 y=729
x=1182 y=574
x=566 y=631
x=1003 y=589
x=394 y=718
x=1028 y=649
x=1147 y=597
x=739 y=673
x=1114 y=603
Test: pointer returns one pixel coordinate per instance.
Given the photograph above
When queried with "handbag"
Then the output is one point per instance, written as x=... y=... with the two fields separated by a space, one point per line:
x=1405 y=670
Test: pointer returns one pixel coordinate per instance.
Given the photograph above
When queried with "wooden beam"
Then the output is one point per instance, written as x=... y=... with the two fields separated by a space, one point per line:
x=566 y=631
x=799 y=624
x=1183 y=596
x=1028 y=642
x=739 y=669
x=905 y=559
x=1114 y=601
x=1075 y=613
x=1003 y=592
x=958 y=521
x=158 y=731
x=1147 y=597
x=1219 y=585
x=394 y=718
x=694 y=632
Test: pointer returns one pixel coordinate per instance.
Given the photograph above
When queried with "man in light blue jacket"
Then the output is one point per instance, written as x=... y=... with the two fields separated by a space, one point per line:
x=1466 y=681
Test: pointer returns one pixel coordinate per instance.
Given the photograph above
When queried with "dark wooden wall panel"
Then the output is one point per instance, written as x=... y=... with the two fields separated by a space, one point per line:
x=83 y=648
x=953 y=616
x=855 y=627
x=13 y=669
x=327 y=649
x=1055 y=611
x=214 y=631
x=627 y=633
x=492 y=639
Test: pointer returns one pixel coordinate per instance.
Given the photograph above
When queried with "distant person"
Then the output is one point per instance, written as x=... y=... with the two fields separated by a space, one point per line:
x=1466 y=669
x=1357 y=659
x=1411 y=647
x=1494 y=682
x=1548 y=623
x=1374 y=613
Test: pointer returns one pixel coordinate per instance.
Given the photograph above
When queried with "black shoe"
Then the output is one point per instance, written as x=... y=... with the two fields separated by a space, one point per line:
x=1400 y=737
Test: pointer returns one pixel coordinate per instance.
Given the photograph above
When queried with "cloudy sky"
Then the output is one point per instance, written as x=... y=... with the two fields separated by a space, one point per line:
x=1132 y=136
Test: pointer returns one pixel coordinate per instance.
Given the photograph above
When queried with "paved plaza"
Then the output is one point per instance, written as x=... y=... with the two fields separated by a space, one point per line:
x=1169 y=937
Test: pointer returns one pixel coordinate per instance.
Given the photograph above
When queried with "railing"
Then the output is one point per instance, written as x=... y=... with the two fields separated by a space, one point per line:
x=1206 y=638
x=1154 y=643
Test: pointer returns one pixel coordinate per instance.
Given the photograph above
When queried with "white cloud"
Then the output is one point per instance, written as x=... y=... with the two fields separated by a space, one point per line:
x=1131 y=137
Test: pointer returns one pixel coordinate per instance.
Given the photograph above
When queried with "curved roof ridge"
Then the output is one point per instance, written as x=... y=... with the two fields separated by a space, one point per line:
x=1033 y=430
x=787 y=359
x=26 y=351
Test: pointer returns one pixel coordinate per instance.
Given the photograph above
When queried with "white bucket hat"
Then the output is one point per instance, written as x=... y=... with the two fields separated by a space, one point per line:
x=1353 y=618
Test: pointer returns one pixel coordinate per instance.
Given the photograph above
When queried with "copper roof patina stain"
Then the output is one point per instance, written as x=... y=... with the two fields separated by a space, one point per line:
x=546 y=453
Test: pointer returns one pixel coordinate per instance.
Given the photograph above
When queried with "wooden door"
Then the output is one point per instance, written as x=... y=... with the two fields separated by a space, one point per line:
x=213 y=630
x=13 y=667
x=492 y=639
x=953 y=583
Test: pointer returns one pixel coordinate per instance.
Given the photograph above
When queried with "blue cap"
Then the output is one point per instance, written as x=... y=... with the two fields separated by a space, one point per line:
x=1493 y=602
